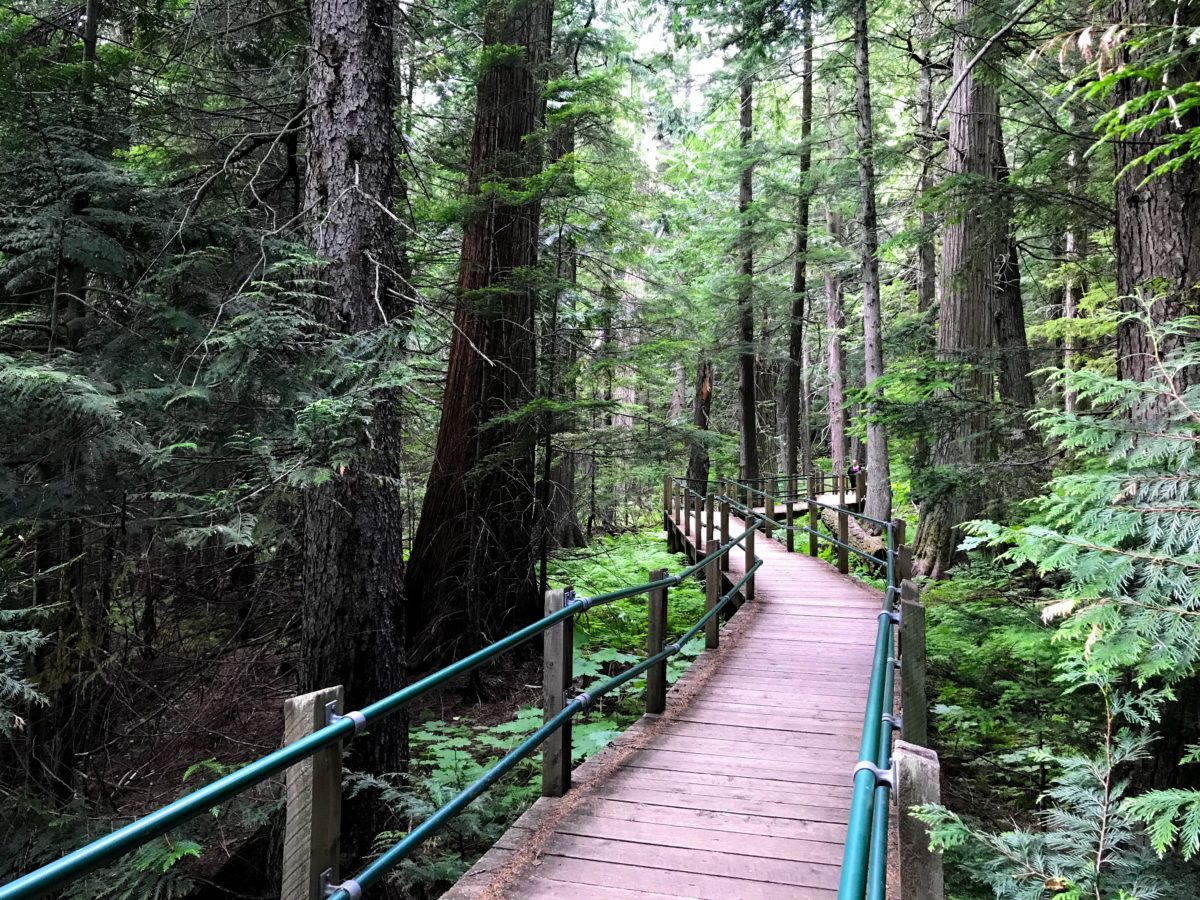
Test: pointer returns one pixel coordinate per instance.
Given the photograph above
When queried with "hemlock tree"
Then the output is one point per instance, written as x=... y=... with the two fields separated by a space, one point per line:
x=353 y=571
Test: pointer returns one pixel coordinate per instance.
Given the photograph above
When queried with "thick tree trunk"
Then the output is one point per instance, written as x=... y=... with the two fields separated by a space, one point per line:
x=879 y=481
x=834 y=324
x=795 y=408
x=1157 y=228
x=471 y=572
x=964 y=314
x=701 y=407
x=353 y=571
x=748 y=460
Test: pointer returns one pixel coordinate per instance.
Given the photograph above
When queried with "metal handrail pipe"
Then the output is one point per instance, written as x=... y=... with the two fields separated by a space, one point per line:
x=877 y=862
x=850 y=512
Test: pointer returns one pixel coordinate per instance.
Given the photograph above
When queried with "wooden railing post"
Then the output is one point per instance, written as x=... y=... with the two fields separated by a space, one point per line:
x=913 y=701
x=748 y=587
x=656 y=636
x=769 y=512
x=712 y=594
x=666 y=495
x=860 y=488
x=918 y=782
x=313 y=788
x=558 y=654
x=699 y=540
x=709 y=524
x=843 y=523
x=725 y=535
x=814 y=513
x=791 y=521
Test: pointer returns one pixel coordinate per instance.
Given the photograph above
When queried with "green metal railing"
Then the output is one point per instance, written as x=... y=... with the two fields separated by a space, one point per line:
x=112 y=846
x=864 y=858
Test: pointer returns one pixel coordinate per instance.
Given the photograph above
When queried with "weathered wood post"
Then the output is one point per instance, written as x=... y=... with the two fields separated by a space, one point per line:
x=918 y=782
x=748 y=587
x=791 y=522
x=915 y=728
x=559 y=652
x=843 y=523
x=656 y=636
x=709 y=524
x=769 y=512
x=666 y=496
x=313 y=788
x=712 y=594
x=699 y=540
x=814 y=513
x=725 y=535
x=675 y=505
x=860 y=489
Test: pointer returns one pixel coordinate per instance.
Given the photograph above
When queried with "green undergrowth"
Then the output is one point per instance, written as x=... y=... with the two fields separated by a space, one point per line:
x=447 y=756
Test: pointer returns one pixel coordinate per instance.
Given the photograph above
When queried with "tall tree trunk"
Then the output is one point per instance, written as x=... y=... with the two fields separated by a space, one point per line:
x=1158 y=225
x=795 y=418
x=701 y=407
x=835 y=322
x=353 y=570
x=1075 y=251
x=748 y=468
x=471 y=572
x=879 y=482
x=1012 y=343
x=926 y=258
x=965 y=311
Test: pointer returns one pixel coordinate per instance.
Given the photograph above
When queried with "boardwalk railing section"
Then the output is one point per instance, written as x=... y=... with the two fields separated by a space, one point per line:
x=313 y=760
x=913 y=773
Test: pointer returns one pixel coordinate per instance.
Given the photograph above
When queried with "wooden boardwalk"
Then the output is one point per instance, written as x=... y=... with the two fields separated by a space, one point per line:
x=741 y=789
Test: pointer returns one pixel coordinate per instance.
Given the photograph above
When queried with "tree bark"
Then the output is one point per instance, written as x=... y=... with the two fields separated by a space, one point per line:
x=748 y=468
x=834 y=323
x=965 y=311
x=1157 y=228
x=1075 y=251
x=701 y=407
x=926 y=256
x=1012 y=343
x=795 y=408
x=879 y=481
x=471 y=572
x=353 y=615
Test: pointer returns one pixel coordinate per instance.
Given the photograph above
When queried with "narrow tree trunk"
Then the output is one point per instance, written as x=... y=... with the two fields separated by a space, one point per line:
x=701 y=407
x=795 y=409
x=1158 y=226
x=1012 y=343
x=879 y=481
x=964 y=313
x=1075 y=251
x=926 y=258
x=834 y=323
x=748 y=463
x=471 y=572
x=352 y=613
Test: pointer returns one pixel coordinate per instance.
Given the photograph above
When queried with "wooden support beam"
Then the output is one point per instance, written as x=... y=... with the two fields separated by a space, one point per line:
x=557 y=661
x=712 y=594
x=791 y=521
x=918 y=777
x=843 y=528
x=666 y=495
x=913 y=700
x=709 y=524
x=860 y=489
x=725 y=535
x=748 y=587
x=656 y=636
x=769 y=511
x=313 y=811
x=814 y=512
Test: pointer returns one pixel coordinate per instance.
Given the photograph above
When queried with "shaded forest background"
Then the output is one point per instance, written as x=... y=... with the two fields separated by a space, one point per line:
x=332 y=334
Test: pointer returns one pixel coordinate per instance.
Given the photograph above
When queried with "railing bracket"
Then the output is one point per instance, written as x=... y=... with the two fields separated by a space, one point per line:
x=586 y=699
x=893 y=614
x=332 y=715
x=882 y=776
x=893 y=720
x=352 y=888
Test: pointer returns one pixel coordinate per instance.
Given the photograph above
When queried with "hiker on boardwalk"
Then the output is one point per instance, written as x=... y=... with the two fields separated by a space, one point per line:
x=852 y=472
